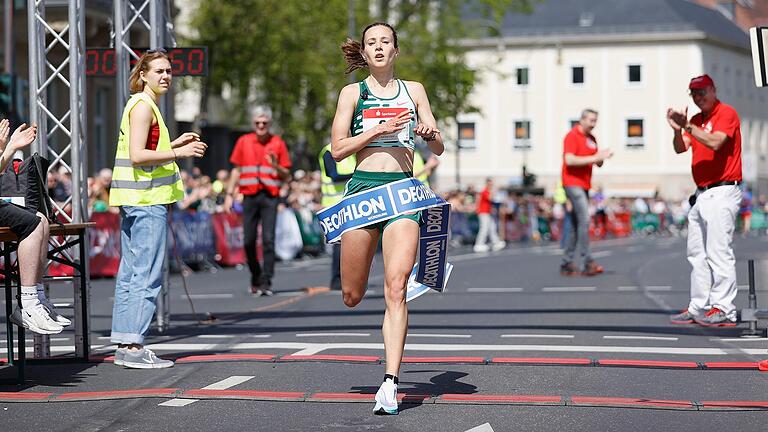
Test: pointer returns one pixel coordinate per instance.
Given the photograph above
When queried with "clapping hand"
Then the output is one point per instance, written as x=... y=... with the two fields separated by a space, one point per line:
x=5 y=129
x=677 y=119
x=22 y=137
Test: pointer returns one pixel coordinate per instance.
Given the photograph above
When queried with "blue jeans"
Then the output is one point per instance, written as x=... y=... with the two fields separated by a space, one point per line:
x=142 y=245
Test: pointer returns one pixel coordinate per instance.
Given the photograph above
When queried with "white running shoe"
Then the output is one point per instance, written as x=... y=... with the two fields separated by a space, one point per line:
x=36 y=319
x=386 y=398
x=481 y=248
x=499 y=245
x=144 y=359
x=60 y=319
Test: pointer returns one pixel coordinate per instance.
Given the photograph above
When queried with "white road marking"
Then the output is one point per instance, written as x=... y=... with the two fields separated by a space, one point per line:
x=208 y=296
x=178 y=402
x=332 y=334
x=494 y=290
x=60 y=339
x=228 y=382
x=658 y=338
x=543 y=336
x=569 y=289
x=220 y=385
x=438 y=335
x=658 y=288
x=486 y=427
x=602 y=254
x=314 y=348
x=744 y=339
x=627 y=288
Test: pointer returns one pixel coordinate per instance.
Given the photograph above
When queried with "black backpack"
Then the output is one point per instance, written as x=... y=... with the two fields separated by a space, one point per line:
x=27 y=187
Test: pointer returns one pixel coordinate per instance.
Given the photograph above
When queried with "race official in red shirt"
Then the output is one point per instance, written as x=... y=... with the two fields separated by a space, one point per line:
x=580 y=152
x=262 y=164
x=714 y=137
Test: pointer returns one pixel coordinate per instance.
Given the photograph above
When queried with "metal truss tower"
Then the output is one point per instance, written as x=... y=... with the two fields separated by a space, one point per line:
x=57 y=68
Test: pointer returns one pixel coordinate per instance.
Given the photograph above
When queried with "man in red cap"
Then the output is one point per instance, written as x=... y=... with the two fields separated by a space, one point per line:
x=714 y=136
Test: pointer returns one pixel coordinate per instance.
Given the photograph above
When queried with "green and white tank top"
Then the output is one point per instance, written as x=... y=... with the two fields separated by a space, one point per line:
x=372 y=110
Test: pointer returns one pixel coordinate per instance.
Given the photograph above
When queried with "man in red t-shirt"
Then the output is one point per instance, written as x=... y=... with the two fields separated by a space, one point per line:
x=487 y=224
x=580 y=152
x=714 y=137
x=262 y=164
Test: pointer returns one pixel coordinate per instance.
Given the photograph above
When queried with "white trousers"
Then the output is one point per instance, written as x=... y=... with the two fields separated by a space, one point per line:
x=711 y=223
x=487 y=228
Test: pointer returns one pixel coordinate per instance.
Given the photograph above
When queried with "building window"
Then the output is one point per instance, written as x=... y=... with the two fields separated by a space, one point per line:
x=635 y=134
x=577 y=75
x=522 y=139
x=467 y=135
x=522 y=76
x=634 y=73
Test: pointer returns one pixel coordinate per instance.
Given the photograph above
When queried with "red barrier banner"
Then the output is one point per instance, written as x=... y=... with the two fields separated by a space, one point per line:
x=105 y=244
x=104 y=248
x=228 y=235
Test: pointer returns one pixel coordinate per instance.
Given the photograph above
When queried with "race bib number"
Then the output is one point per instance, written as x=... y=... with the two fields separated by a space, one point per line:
x=375 y=116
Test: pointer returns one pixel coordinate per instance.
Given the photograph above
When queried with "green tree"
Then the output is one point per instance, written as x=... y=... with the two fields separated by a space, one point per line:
x=285 y=53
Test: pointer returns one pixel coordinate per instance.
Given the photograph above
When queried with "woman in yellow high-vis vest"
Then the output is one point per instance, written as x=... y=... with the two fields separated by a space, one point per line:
x=144 y=181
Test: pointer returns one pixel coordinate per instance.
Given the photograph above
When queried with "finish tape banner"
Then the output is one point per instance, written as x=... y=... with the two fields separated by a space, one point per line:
x=391 y=200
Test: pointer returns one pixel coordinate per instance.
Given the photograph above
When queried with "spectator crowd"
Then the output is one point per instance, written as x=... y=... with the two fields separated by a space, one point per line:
x=520 y=216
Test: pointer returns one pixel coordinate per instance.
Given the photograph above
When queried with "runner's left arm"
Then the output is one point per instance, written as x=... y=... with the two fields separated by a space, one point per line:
x=427 y=127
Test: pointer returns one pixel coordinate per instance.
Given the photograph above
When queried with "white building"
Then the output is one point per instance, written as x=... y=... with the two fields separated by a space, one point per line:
x=628 y=59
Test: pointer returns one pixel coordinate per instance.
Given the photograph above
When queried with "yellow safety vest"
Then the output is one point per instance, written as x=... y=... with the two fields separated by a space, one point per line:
x=334 y=191
x=418 y=165
x=143 y=185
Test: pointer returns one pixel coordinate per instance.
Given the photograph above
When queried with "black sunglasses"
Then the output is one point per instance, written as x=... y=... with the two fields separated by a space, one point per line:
x=157 y=50
x=698 y=92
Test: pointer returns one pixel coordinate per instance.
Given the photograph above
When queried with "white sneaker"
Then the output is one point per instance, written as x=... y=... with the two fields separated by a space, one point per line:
x=499 y=245
x=481 y=248
x=60 y=319
x=36 y=319
x=119 y=356
x=386 y=398
x=144 y=359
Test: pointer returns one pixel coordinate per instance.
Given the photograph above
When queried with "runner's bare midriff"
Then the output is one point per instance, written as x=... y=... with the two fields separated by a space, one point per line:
x=385 y=159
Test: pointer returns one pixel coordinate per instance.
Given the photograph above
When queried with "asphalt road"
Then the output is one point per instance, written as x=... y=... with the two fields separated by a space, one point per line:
x=511 y=345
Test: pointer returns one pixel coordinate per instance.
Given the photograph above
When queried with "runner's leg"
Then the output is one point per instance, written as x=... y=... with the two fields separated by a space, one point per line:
x=357 y=250
x=399 y=246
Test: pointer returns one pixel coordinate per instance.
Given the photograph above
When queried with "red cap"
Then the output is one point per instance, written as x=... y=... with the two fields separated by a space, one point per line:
x=701 y=82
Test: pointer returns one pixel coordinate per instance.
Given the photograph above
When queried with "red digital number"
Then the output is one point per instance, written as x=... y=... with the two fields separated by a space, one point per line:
x=196 y=59
x=108 y=66
x=177 y=64
x=91 y=62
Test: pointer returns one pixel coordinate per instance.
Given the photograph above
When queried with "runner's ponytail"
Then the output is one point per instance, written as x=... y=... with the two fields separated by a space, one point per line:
x=352 y=54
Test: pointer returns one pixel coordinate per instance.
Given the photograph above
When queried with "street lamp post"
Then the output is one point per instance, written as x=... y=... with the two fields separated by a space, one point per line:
x=458 y=155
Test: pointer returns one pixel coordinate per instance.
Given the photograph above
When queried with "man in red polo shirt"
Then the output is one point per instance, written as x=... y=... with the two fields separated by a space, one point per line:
x=262 y=164
x=580 y=152
x=714 y=136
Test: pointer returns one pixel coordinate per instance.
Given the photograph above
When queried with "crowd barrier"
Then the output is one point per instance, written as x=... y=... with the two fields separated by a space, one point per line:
x=193 y=237
x=197 y=237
